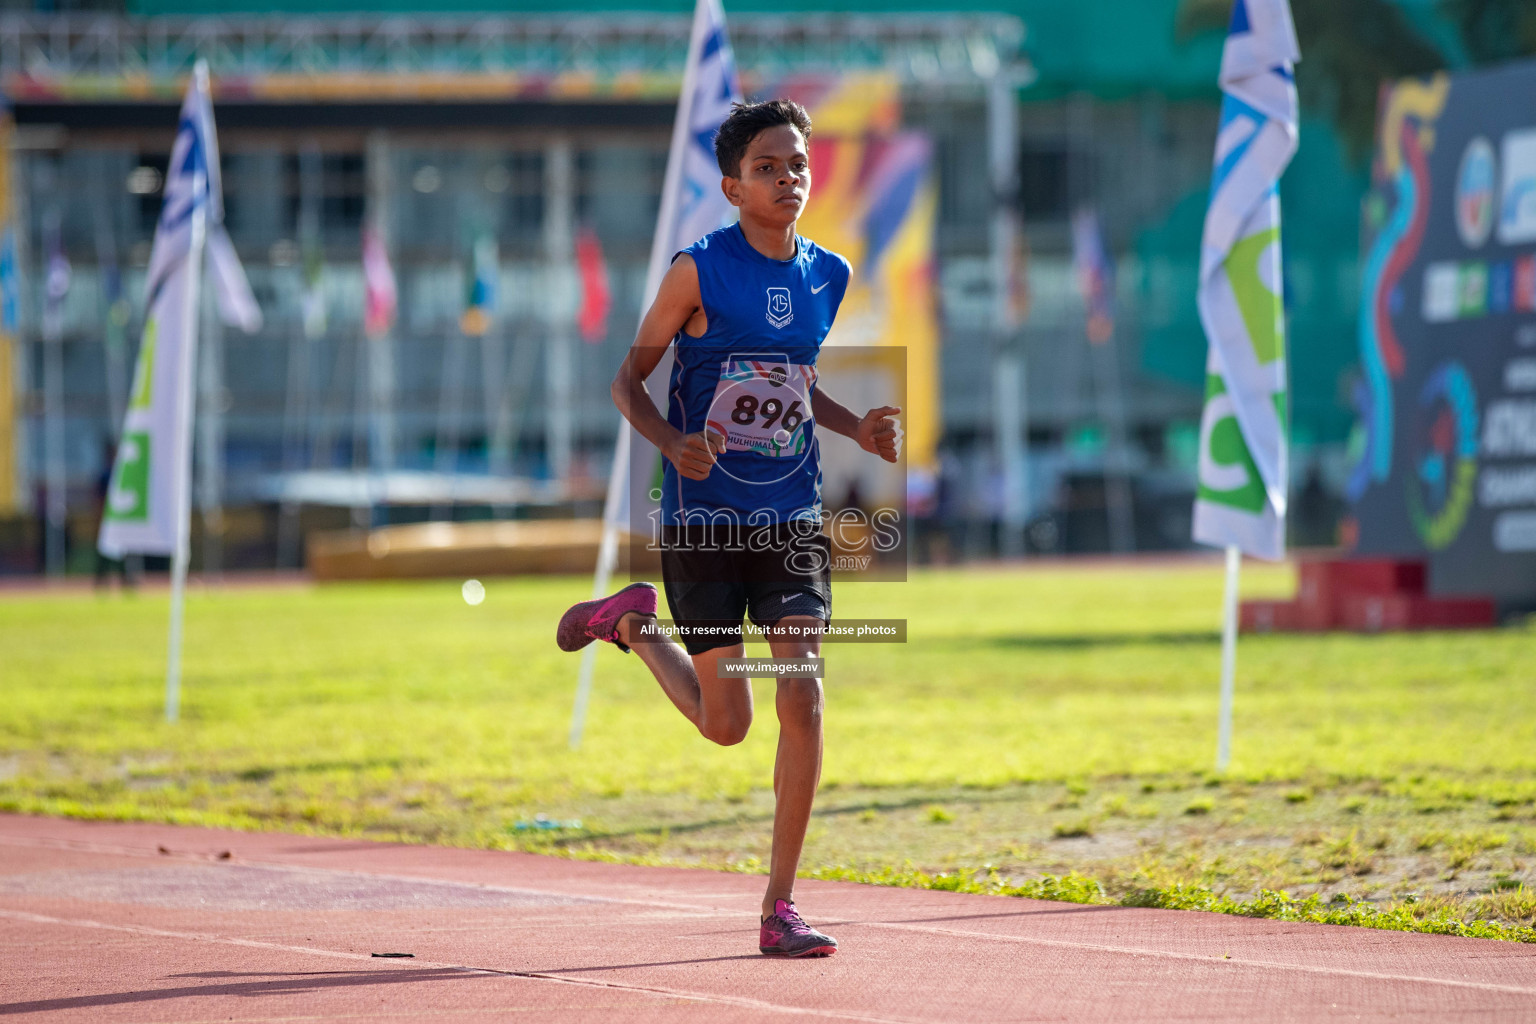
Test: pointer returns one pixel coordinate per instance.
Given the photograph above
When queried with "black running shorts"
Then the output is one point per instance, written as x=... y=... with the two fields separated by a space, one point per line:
x=714 y=575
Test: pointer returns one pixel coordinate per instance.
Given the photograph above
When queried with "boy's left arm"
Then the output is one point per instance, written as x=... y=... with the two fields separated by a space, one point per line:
x=875 y=431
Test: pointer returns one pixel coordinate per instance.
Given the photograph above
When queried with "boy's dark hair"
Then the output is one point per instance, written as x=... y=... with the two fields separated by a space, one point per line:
x=747 y=122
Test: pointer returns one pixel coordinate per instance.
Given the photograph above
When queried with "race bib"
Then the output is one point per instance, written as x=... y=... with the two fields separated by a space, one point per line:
x=763 y=405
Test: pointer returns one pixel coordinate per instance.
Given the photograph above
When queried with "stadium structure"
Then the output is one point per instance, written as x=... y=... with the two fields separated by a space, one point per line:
x=510 y=159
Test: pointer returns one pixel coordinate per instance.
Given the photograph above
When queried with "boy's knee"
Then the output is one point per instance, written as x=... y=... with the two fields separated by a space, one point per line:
x=800 y=701
x=727 y=733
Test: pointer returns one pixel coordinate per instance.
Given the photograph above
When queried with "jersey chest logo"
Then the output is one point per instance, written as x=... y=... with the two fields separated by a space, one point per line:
x=780 y=312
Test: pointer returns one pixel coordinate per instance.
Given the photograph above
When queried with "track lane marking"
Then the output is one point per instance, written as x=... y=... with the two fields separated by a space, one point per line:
x=1204 y=958
x=667 y=993
x=240 y=861
x=703 y=911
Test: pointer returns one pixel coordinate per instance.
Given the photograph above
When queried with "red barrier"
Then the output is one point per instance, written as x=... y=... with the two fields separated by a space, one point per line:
x=1367 y=596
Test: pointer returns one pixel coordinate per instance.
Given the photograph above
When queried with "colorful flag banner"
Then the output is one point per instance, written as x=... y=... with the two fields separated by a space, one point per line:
x=1241 y=497
x=10 y=322
x=875 y=200
x=480 y=302
x=1095 y=274
x=147 y=499
x=10 y=282
x=596 y=295
x=379 y=295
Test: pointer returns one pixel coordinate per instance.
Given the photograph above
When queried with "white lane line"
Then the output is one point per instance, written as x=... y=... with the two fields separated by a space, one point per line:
x=703 y=911
x=179 y=856
x=1203 y=958
x=336 y=954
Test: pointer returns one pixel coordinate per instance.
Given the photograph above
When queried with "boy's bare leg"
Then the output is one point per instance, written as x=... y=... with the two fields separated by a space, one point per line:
x=797 y=769
x=667 y=662
x=721 y=709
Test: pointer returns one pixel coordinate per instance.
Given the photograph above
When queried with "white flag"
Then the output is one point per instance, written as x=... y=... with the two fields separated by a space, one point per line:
x=147 y=499
x=1242 y=487
x=692 y=206
x=237 y=306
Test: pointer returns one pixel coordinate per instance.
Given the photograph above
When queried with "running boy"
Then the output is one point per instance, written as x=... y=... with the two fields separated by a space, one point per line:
x=748 y=307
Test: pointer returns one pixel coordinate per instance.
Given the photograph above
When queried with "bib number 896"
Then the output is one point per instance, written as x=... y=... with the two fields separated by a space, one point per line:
x=748 y=409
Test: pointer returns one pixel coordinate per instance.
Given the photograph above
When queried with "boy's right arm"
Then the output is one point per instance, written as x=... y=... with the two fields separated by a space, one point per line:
x=677 y=302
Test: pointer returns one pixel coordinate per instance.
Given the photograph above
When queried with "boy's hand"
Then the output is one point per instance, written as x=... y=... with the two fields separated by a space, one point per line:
x=878 y=434
x=694 y=454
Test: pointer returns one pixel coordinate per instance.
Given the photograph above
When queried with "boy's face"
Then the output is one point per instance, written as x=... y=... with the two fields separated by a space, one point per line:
x=774 y=181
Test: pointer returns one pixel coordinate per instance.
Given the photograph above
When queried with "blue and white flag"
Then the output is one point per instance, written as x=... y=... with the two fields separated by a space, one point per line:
x=148 y=496
x=692 y=204
x=1095 y=274
x=231 y=289
x=1241 y=498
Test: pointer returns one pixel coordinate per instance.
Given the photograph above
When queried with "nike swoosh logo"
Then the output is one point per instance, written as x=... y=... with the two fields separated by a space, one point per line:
x=788 y=598
x=820 y=287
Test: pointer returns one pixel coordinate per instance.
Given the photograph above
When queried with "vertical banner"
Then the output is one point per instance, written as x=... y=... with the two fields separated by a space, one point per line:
x=874 y=199
x=10 y=438
x=1096 y=282
x=151 y=475
x=1240 y=500
x=1242 y=484
x=480 y=288
x=596 y=291
x=692 y=206
x=148 y=493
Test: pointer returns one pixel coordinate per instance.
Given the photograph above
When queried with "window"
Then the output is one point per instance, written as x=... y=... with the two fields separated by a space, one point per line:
x=1044 y=181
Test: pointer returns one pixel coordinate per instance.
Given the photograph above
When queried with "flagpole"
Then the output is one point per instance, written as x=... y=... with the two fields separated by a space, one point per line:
x=661 y=243
x=182 y=555
x=607 y=555
x=56 y=288
x=1228 y=657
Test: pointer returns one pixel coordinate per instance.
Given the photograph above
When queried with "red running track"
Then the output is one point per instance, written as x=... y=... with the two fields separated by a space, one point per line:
x=107 y=922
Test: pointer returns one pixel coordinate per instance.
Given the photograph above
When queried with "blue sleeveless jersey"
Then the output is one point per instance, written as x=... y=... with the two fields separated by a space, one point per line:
x=751 y=377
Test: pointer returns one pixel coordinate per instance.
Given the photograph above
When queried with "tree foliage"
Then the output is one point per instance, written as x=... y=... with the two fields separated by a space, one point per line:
x=1351 y=47
x=1494 y=30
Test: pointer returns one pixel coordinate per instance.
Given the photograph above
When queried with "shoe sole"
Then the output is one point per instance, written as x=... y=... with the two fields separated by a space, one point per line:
x=812 y=951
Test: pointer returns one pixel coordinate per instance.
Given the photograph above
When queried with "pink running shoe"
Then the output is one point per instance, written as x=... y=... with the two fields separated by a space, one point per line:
x=785 y=933
x=599 y=620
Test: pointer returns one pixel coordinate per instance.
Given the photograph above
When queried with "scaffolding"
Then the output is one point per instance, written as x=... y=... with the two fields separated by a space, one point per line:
x=922 y=50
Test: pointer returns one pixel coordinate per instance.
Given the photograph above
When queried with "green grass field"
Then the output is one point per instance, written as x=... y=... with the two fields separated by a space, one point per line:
x=1046 y=723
